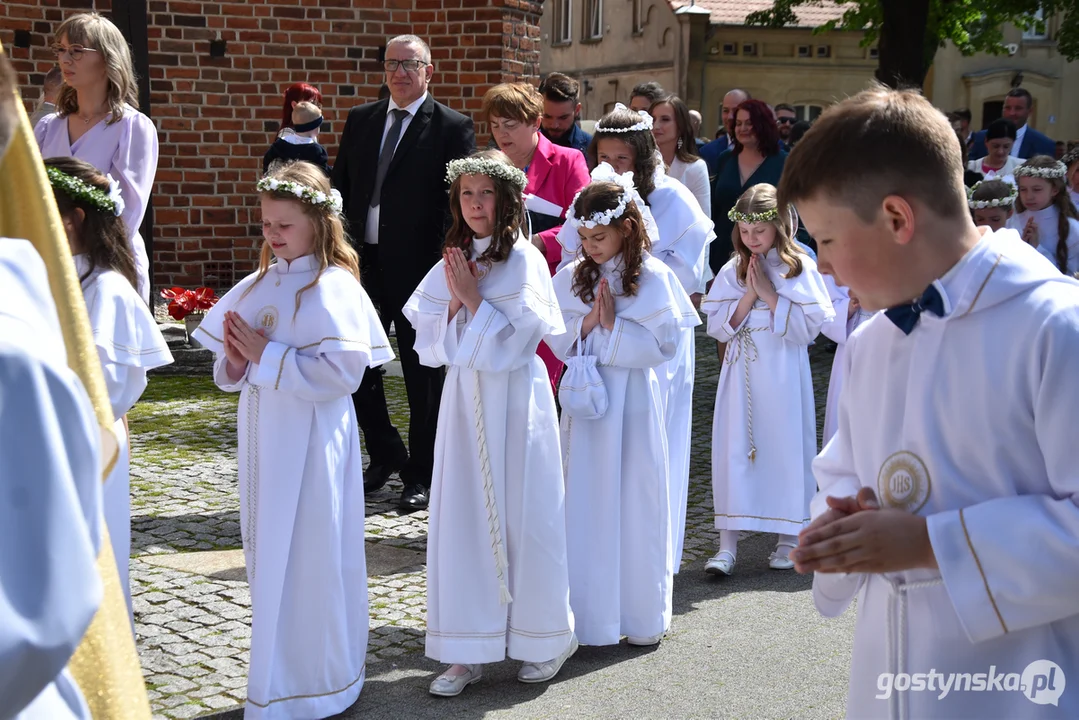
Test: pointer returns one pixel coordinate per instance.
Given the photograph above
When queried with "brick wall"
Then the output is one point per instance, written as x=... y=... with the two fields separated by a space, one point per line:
x=216 y=116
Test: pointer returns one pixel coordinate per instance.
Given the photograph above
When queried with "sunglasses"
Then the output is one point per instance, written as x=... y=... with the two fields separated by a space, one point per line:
x=75 y=51
x=785 y=121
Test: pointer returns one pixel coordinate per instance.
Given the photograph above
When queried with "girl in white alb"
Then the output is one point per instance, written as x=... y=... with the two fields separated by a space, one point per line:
x=849 y=315
x=1044 y=213
x=295 y=338
x=625 y=314
x=126 y=336
x=497 y=582
x=681 y=234
x=767 y=304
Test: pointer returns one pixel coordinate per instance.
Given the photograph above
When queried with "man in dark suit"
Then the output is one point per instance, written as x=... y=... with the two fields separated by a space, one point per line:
x=391 y=171
x=711 y=151
x=1028 y=142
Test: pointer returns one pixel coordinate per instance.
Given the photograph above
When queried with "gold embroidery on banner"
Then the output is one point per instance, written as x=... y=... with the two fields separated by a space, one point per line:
x=281 y=368
x=904 y=482
x=982 y=286
x=266 y=318
x=268 y=703
x=978 y=564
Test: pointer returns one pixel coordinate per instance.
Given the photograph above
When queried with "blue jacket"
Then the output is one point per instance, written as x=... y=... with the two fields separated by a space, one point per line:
x=575 y=138
x=710 y=154
x=1034 y=143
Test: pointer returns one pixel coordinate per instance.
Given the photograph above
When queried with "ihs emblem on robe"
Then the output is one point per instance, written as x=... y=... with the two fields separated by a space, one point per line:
x=903 y=482
x=267 y=319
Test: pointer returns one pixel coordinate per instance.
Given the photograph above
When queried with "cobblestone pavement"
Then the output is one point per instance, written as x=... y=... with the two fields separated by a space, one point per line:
x=193 y=628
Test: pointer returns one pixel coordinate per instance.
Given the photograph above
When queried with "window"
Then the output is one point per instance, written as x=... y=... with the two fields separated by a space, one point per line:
x=874 y=53
x=638 y=17
x=808 y=113
x=593 y=19
x=1033 y=33
x=805 y=51
x=749 y=49
x=730 y=49
x=824 y=51
x=562 y=25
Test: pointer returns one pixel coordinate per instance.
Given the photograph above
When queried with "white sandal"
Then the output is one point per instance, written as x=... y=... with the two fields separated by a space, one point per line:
x=721 y=564
x=778 y=561
x=447 y=685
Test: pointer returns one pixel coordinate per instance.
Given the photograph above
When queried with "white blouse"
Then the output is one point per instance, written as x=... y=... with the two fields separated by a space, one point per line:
x=695 y=177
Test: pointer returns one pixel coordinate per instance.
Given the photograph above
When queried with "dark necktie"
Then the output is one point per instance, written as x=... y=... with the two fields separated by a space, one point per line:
x=386 y=156
x=906 y=316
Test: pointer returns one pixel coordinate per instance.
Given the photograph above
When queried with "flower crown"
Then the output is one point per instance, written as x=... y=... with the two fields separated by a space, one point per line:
x=306 y=194
x=753 y=218
x=644 y=124
x=605 y=173
x=492 y=168
x=1056 y=171
x=1007 y=201
x=76 y=189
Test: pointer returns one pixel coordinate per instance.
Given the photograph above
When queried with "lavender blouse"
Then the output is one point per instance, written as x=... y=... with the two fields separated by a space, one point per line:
x=128 y=151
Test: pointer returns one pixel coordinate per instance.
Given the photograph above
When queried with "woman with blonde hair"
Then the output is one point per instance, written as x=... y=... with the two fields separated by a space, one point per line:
x=97 y=120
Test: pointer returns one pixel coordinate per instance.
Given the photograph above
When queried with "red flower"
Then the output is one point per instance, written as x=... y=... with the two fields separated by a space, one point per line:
x=184 y=302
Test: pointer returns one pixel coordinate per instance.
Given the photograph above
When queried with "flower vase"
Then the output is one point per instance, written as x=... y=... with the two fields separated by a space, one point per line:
x=191 y=322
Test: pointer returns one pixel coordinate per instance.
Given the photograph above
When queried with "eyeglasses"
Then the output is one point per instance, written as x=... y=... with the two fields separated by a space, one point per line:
x=409 y=65
x=75 y=51
x=785 y=121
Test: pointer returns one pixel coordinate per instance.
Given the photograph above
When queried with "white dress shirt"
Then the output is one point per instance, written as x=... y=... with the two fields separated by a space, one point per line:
x=1018 y=144
x=371 y=231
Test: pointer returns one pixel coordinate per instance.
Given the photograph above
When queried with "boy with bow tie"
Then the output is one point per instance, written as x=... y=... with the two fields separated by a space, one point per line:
x=948 y=496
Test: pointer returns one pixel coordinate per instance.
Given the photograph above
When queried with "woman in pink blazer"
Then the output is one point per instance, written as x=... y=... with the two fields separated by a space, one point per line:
x=555 y=174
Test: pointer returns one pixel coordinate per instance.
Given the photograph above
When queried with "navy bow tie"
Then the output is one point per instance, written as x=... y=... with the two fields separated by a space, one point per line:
x=906 y=316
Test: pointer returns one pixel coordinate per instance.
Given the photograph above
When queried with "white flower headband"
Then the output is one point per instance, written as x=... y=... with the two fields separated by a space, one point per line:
x=753 y=218
x=306 y=194
x=490 y=167
x=1008 y=201
x=644 y=124
x=605 y=173
x=1057 y=171
x=112 y=201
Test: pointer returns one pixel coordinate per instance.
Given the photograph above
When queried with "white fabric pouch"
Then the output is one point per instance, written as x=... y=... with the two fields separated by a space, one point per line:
x=581 y=392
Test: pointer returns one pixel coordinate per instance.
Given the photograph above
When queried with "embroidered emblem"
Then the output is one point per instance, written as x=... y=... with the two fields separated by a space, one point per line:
x=267 y=319
x=904 y=482
x=481 y=270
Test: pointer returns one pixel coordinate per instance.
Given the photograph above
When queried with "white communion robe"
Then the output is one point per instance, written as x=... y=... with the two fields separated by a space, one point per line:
x=129 y=344
x=50 y=499
x=301 y=483
x=681 y=234
x=497 y=581
x=838 y=329
x=617 y=492
x=1048 y=221
x=968 y=422
x=764 y=433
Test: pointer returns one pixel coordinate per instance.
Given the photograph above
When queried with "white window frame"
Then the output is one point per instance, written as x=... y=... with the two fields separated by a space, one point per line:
x=562 y=22
x=1033 y=34
x=593 y=20
x=806 y=111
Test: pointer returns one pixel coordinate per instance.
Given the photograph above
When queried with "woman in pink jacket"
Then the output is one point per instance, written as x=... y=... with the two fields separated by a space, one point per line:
x=555 y=174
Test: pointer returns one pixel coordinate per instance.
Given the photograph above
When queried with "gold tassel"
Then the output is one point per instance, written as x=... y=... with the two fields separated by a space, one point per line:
x=106 y=664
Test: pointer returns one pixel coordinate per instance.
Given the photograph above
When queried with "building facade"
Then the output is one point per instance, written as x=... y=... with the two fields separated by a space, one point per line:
x=217 y=71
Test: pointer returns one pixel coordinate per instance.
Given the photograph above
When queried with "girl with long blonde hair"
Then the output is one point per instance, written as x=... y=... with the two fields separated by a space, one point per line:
x=767 y=304
x=295 y=338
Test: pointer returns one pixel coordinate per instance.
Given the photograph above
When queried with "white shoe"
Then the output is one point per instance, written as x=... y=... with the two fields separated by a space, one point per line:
x=543 y=671
x=781 y=560
x=645 y=641
x=452 y=685
x=721 y=564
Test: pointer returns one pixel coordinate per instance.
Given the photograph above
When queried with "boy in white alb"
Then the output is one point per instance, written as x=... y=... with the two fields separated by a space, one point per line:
x=947 y=500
